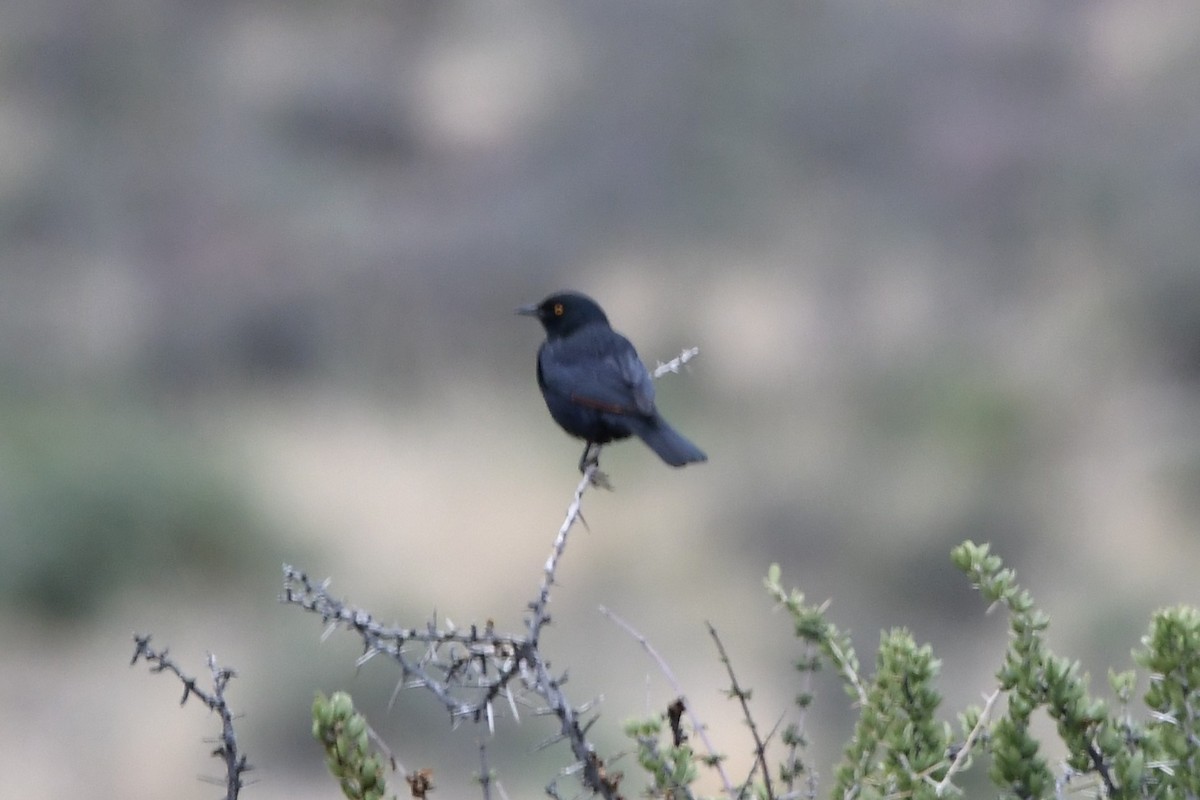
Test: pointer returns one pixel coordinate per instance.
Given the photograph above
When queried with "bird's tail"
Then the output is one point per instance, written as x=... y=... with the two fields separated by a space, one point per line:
x=669 y=443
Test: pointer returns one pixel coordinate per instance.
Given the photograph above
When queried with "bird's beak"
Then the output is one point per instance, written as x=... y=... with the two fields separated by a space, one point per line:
x=528 y=311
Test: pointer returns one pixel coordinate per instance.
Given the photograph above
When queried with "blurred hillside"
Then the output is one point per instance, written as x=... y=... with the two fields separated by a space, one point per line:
x=258 y=262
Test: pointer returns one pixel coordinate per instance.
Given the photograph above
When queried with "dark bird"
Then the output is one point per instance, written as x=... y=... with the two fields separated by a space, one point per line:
x=595 y=385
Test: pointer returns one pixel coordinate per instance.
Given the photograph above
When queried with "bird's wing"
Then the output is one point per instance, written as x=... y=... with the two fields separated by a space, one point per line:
x=637 y=378
x=598 y=370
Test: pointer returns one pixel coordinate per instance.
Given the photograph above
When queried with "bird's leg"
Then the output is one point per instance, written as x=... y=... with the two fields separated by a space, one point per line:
x=588 y=458
x=591 y=460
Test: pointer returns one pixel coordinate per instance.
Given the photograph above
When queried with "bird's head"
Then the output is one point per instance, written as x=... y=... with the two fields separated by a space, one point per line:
x=563 y=313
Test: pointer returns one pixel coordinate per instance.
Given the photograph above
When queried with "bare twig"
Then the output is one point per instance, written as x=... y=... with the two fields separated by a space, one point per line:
x=235 y=762
x=698 y=727
x=960 y=759
x=743 y=697
x=539 y=616
x=675 y=363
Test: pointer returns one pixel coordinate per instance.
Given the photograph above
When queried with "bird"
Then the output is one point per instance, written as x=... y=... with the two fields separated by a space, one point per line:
x=595 y=385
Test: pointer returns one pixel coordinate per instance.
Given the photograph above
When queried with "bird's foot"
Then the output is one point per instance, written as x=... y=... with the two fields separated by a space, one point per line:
x=599 y=479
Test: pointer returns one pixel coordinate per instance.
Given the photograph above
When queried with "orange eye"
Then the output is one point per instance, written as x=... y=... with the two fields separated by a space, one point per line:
x=558 y=309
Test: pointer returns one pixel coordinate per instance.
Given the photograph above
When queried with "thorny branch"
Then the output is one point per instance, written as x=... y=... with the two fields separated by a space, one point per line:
x=235 y=762
x=468 y=670
x=478 y=664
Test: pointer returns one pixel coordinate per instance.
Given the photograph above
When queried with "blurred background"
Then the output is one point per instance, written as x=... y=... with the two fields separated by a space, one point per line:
x=258 y=262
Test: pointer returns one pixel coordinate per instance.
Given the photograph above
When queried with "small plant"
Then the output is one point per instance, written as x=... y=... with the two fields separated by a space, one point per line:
x=344 y=734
